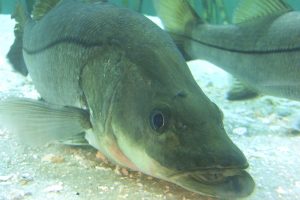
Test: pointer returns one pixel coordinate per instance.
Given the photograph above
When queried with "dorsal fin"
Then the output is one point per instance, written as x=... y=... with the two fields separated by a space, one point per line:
x=176 y=14
x=42 y=7
x=177 y=17
x=252 y=9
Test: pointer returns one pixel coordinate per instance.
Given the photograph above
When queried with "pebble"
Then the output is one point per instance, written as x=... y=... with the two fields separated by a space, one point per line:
x=5 y=178
x=103 y=188
x=2 y=133
x=140 y=184
x=25 y=178
x=275 y=128
x=54 y=188
x=124 y=171
x=283 y=111
x=117 y=170
x=121 y=171
x=124 y=196
x=51 y=158
x=103 y=168
x=149 y=177
x=295 y=129
x=101 y=157
x=282 y=149
x=269 y=101
x=280 y=190
x=18 y=195
x=167 y=189
x=266 y=120
x=240 y=131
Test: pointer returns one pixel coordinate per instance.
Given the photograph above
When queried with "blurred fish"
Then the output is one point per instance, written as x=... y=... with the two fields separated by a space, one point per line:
x=261 y=48
x=15 y=51
x=112 y=79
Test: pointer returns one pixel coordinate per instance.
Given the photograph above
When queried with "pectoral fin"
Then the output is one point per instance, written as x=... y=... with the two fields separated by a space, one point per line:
x=240 y=91
x=38 y=122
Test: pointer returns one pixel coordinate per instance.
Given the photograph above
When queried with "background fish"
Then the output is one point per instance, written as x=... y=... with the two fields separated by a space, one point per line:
x=112 y=79
x=261 y=49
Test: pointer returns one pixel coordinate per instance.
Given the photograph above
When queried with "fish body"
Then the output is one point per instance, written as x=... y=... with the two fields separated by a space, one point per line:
x=262 y=49
x=112 y=79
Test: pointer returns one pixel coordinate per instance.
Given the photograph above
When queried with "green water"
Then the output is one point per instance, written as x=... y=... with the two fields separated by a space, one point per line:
x=268 y=142
x=7 y=6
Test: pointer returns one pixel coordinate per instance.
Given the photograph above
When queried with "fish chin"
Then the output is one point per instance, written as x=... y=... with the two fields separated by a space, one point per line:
x=226 y=183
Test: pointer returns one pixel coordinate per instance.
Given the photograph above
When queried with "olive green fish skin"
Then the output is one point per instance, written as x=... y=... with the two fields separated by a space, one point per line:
x=264 y=53
x=121 y=67
x=261 y=49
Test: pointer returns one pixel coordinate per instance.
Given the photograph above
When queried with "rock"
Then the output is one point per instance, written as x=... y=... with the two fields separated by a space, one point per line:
x=25 y=178
x=295 y=129
x=18 y=195
x=240 y=131
x=54 y=188
x=101 y=157
x=51 y=158
x=5 y=178
x=281 y=190
x=283 y=111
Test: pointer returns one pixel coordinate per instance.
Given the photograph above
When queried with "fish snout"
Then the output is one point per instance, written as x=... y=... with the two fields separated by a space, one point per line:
x=211 y=149
x=220 y=150
x=219 y=169
x=231 y=157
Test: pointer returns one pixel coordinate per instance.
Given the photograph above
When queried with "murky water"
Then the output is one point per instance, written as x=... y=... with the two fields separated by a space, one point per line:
x=262 y=128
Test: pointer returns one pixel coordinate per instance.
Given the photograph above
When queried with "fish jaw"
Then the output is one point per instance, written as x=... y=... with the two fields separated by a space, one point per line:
x=216 y=182
x=224 y=183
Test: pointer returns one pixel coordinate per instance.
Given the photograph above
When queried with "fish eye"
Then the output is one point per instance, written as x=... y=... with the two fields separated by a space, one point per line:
x=158 y=120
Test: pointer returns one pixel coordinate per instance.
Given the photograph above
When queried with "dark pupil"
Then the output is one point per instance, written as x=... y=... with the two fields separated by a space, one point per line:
x=157 y=121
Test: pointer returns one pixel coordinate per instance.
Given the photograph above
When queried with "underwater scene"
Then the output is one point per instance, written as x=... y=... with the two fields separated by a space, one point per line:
x=150 y=99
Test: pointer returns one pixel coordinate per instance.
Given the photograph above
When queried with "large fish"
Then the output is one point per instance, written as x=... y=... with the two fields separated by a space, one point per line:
x=112 y=79
x=262 y=47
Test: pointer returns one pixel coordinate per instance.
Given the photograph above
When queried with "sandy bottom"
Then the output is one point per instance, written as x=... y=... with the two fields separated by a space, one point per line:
x=263 y=128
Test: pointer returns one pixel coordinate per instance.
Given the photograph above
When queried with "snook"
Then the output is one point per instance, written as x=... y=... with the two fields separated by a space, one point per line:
x=261 y=48
x=112 y=79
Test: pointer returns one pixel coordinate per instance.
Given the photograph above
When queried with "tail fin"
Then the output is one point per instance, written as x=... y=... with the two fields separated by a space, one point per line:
x=15 y=55
x=178 y=17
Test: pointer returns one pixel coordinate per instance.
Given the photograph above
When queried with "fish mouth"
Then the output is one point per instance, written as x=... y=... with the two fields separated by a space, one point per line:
x=222 y=183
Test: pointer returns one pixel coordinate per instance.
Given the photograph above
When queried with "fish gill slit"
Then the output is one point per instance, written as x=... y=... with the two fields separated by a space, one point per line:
x=108 y=119
x=83 y=99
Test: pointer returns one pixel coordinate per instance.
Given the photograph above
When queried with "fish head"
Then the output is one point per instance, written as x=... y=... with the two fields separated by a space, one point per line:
x=167 y=127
